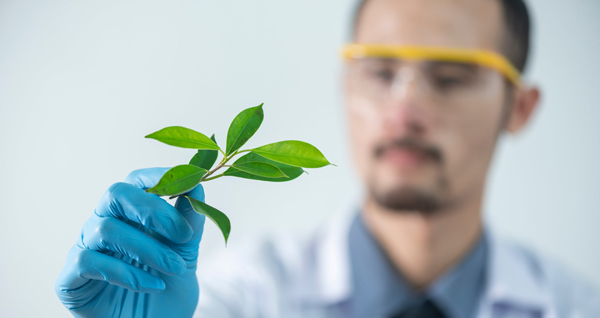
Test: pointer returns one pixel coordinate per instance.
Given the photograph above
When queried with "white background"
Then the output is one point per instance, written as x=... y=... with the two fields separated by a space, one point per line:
x=81 y=83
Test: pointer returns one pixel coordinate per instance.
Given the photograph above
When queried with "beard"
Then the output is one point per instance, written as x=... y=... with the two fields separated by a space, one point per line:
x=409 y=200
x=412 y=199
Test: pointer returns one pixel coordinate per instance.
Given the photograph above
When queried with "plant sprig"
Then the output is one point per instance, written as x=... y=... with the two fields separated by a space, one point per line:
x=276 y=162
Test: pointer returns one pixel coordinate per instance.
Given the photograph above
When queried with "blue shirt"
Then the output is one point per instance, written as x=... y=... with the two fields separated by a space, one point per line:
x=380 y=290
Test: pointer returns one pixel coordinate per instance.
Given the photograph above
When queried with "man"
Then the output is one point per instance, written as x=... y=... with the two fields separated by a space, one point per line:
x=430 y=86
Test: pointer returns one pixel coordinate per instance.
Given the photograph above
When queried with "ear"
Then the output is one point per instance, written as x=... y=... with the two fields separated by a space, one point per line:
x=525 y=102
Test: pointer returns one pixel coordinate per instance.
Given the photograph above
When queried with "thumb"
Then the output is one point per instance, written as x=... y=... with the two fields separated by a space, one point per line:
x=189 y=249
x=195 y=219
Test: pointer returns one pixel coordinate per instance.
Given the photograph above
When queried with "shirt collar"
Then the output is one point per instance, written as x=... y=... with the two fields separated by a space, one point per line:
x=379 y=290
x=458 y=292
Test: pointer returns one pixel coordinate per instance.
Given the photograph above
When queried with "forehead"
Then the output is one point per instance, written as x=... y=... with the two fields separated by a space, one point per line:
x=447 y=23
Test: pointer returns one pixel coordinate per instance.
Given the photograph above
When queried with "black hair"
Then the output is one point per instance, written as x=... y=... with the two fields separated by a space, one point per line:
x=518 y=30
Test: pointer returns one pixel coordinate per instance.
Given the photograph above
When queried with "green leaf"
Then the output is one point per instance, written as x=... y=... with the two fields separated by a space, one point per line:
x=183 y=137
x=205 y=159
x=291 y=171
x=178 y=180
x=243 y=127
x=220 y=219
x=294 y=153
x=260 y=169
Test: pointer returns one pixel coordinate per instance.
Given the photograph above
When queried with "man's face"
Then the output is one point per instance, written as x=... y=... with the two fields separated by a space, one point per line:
x=422 y=149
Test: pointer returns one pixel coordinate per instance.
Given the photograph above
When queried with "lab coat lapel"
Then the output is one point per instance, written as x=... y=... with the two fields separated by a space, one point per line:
x=333 y=260
x=514 y=285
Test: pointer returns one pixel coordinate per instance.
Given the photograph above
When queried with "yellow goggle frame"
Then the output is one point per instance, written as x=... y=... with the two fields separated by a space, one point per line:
x=481 y=57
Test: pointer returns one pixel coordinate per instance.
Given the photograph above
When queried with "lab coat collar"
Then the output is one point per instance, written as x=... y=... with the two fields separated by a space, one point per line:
x=512 y=280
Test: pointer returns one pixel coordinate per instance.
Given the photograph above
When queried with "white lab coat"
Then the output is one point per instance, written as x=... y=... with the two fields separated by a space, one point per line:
x=309 y=277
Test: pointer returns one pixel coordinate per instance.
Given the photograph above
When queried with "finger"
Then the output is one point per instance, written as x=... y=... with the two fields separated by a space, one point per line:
x=189 y=250
x=195 y=219
x=117 y=272
x=109 y=234
x=149 y=177
x=125 y=201
x=145 y=178
x=86 y=266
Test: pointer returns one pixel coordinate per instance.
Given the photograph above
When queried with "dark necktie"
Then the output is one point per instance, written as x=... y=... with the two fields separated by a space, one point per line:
x=426 y=309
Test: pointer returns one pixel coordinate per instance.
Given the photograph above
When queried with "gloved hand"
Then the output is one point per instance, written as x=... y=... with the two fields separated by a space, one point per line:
x=136 y=256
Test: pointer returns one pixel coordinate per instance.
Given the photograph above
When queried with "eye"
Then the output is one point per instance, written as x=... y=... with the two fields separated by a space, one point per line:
x=379 y=71
x=448 y=82
x=386 y=75
x=448 y=77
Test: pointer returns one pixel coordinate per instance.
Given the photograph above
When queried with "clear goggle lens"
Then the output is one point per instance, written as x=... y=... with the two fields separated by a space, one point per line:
x=386 y=71
x=394 y=78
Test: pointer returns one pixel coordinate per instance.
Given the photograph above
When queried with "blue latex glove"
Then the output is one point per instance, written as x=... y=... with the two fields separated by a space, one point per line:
x=136 y=256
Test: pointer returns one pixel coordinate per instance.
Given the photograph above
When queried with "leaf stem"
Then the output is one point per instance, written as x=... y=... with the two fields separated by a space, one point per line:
x=213 y=178
x=208 y=174
x=221 y=165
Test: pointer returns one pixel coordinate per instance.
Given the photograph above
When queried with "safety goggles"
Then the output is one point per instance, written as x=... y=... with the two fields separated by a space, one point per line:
x=437 y=72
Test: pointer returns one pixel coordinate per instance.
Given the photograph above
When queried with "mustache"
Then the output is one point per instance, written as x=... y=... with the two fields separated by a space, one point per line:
x=430 y=151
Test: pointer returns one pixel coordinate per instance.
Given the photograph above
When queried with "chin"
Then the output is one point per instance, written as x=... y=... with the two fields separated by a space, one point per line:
x=420 y=193
x=406 y=199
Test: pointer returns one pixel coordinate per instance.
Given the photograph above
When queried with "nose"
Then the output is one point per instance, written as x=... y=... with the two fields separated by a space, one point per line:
x=405 y=113
x=403 y=82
